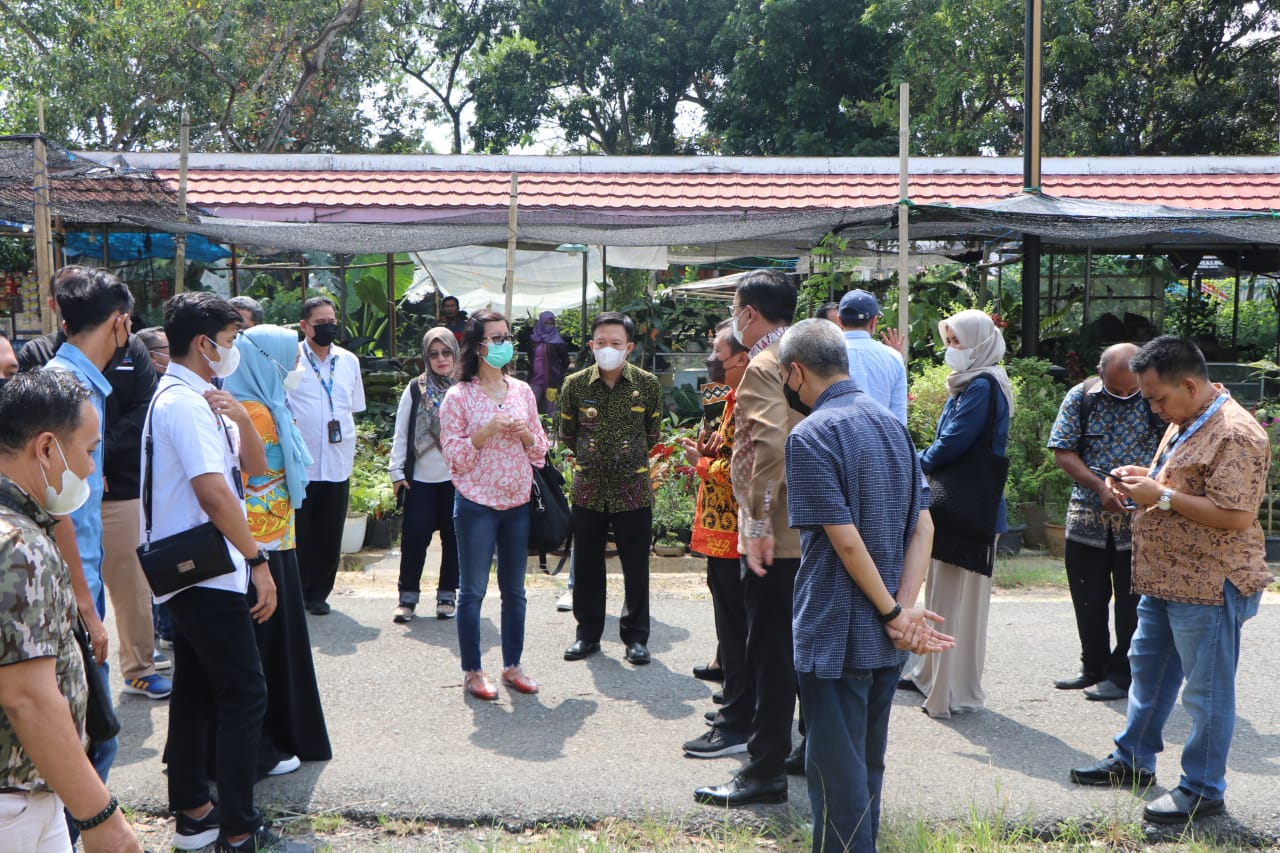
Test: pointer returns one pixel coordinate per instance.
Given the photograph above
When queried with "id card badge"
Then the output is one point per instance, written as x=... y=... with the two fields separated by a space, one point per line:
x=335 y=432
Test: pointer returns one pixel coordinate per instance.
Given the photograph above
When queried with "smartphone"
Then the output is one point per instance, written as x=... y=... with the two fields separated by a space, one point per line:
x=1106 y=475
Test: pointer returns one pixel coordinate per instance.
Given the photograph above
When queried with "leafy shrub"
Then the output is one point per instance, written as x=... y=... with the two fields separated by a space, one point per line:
x=1257 y=332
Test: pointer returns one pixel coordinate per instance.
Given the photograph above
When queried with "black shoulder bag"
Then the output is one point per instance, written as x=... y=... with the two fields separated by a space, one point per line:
x=550 y=521
x=965 y=500
x=191 y=556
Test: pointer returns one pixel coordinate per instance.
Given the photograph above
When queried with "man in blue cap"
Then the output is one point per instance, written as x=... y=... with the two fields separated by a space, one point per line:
x=876 y=367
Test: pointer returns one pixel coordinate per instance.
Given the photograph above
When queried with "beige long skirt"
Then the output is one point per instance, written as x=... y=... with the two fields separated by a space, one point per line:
x=952 y=681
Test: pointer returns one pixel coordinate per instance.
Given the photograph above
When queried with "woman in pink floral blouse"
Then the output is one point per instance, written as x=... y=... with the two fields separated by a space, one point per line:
x=491 y=436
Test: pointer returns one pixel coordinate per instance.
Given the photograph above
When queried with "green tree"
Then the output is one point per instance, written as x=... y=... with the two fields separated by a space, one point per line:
x=267 y=76
x=609 y=74
x=800 y=77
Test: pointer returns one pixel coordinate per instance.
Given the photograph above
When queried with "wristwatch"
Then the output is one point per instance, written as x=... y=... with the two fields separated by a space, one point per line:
x=257 y=559
x=1166 y=501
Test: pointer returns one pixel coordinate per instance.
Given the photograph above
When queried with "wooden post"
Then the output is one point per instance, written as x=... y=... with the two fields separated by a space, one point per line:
x=180 y=239
x=1031 y=177
x=508 y=286
x=604 y=278
x=235 y=286
x=904 y=215
x=43 y=227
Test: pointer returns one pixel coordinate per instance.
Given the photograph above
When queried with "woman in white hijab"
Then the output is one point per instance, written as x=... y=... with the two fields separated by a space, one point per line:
x=975 y=420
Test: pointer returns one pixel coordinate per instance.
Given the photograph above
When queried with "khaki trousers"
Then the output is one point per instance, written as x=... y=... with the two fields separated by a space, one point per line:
x=127 y=585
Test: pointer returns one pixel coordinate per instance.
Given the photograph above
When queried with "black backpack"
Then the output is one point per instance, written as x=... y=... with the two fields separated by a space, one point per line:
x=1092 y=387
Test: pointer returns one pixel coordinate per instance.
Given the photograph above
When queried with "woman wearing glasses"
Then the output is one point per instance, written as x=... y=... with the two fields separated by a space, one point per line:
x=492 y=438
x=294 y=729
x=421 y=477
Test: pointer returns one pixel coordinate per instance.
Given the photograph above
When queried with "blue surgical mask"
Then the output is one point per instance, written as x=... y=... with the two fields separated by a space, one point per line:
x=498 y=355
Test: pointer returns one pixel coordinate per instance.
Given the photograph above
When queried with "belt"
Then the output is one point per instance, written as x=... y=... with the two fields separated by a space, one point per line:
x=7 y=789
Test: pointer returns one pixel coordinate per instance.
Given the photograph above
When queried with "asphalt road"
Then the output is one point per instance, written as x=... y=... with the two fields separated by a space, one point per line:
x=602 y=738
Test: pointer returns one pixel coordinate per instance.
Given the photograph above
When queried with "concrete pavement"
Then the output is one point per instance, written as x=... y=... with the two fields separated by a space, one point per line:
x=602 y=738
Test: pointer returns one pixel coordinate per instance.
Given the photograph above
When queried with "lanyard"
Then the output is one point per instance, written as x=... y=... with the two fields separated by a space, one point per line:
x=328 y=387
x=1183 y=435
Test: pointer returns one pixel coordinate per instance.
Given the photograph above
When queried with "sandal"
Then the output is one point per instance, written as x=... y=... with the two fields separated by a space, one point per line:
x=479 y=685
x=515 y=678
x=445 y=607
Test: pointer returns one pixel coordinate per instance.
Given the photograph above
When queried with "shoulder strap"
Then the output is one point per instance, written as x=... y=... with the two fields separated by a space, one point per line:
x=1086 y=406
x=992 y=391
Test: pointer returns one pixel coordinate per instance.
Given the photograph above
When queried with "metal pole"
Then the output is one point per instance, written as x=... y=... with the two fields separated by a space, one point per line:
x=180 y=240
x=1235 y=313
x=582 y=350
x=904 y=214
x=508 y=286
x=235 y=278
x=391 y=302
x=604 y=276
x=1031 y=178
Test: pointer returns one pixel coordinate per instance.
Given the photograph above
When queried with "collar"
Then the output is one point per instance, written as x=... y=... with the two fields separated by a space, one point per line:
x=187 y=376
x=625 y=376
x=75 y=357
x=843 y=388
x=856 y=334
x=1222 y=392
x=13 y=495
x=767 y=341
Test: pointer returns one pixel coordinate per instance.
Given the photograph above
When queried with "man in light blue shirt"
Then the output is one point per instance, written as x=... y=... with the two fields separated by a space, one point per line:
x=94 y=306
x=876 y=367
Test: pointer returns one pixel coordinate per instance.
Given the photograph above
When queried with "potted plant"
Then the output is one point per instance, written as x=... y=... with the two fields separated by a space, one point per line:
x=1268 y=415
x=1036 y=485
x=675 y=492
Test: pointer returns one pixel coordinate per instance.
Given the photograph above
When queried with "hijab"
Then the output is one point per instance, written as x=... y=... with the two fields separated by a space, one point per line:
x=426 y=429
x=267 y=353
x=544 y=332
x=976 y=332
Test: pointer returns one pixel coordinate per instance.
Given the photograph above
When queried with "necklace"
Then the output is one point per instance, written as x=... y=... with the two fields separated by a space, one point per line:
x=498 y=394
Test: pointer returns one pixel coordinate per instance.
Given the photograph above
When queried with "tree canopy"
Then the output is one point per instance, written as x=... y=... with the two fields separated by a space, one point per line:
x=782 y=77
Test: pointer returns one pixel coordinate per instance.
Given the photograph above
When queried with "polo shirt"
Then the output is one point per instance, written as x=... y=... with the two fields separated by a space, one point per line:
x=313 y=408
x=188 y=441
x=87 y=520
x=878 y=370
x=849 y=462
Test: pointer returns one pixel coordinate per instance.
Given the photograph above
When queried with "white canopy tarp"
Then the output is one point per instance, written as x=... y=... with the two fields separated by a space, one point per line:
x=545 y=281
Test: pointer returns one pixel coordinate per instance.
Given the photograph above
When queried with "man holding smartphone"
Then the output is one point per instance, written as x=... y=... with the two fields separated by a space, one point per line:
x=1103 y=423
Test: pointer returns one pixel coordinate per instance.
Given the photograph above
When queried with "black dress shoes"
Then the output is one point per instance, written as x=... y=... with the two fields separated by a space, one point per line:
x=1105 y=691
x=909 y=685
x=795 y=761
x=1079 y=681
x=718 y=697
x=743 y=790
x=581 y=649
x=636 y=654
x=318 y=608
x=708 y=673
x=1181 y=806
x=1110 y=772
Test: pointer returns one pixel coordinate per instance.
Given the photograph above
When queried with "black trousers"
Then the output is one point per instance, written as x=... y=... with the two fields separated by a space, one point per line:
x=768 y=607
x=728 y=599
x=216 y=674
x=428 y=507
x=320 y=520
x=1095 y=575
x=632 y=534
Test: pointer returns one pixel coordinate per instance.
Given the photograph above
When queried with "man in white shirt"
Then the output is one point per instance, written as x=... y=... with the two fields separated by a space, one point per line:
x=198 y=436
x=324 y=406
x=876 y=367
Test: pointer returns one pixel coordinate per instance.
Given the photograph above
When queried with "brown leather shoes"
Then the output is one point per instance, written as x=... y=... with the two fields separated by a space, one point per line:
x=515 y=678
x=479 y=685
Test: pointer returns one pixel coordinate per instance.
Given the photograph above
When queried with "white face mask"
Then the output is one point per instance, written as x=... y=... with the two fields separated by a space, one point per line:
x=959 y=360
x=609 y=358
x=293 y=379
x=735 y=331
x=75 y=490
x=228 y=360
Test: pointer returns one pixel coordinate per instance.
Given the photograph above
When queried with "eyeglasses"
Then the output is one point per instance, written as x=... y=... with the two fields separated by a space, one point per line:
x=499 y=339
x=440 y=353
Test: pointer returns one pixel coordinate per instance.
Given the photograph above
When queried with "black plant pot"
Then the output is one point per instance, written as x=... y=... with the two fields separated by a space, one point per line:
x=1010 y=544
x=1273 y=549
x=382 y=532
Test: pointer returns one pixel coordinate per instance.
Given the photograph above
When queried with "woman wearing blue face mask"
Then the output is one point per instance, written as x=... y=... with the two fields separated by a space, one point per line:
x=491 y=436
x=977 y=412
x=294 y=729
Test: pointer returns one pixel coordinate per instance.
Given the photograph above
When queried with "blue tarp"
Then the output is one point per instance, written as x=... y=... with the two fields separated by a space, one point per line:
x=130 y=246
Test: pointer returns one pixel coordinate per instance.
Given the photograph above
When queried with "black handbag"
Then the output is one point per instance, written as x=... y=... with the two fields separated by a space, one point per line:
x=549 y=519
x=100 y=720
x=191 y=556
x=965 y=500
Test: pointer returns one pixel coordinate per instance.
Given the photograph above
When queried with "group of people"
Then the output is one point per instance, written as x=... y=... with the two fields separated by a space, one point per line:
x=813 y=512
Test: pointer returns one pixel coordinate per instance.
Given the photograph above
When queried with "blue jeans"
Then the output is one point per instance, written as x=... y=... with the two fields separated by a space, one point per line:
x=479 y=529
x=1200 y=643
x=847 y=730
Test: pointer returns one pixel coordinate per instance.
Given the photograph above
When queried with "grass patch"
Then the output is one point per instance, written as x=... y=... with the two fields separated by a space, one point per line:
x=1029 y=573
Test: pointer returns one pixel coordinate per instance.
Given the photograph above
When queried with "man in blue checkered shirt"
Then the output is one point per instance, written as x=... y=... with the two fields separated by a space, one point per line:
x=859 y=500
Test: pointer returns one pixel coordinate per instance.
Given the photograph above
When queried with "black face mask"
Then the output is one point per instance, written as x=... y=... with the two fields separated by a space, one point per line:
x=3 y=381
x=794 y=401
x=715 y=369
x=325 y=333
x=118 y=357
